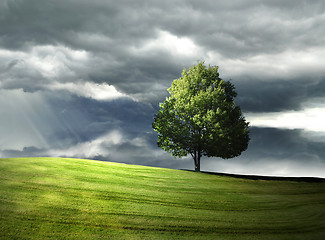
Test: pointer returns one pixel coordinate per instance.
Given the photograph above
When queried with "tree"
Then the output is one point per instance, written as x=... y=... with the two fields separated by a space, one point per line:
x=200 y=117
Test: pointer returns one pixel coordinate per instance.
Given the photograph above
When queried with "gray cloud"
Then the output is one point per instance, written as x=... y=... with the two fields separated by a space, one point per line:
x=109 y=32
x=63 y=120
x=235 y=28
x=284 y=144
x=276 y=96
x=85 y=119
x=239 y=29
x=276 y=152
x=73 y=23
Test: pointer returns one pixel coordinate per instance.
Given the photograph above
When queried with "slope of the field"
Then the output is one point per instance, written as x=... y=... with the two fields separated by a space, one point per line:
x=55 y=198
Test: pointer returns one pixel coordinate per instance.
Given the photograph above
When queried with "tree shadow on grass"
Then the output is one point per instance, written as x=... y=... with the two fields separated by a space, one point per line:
x=258 y=177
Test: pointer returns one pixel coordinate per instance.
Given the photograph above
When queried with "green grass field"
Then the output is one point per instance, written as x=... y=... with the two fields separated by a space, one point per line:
x=55 y=198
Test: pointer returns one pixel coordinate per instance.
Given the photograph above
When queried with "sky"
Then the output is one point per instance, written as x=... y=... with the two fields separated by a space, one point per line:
x=83 y=79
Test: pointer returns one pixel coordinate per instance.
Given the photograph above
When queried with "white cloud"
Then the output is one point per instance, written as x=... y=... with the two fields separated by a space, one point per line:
x=53 y=61
x=177 y=46
x=50 y=61
x=41 y=65
x=311 y=119
x=93 y=148
x=89 y=90
x=114 y=146
x=55 y=68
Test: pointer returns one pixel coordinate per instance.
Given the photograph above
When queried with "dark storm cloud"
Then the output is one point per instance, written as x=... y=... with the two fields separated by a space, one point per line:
x=277 y=96
x=241 y=28
x=109 y=30
x=27 y=23
x=276 y=152
x=238 y=28
x=17 y=74
x=279 y=144
x=84 y=119
x=27 y=151
x=63 y=120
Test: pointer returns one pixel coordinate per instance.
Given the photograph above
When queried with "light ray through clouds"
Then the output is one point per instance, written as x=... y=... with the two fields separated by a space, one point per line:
x=25 y=130
x=33 y=122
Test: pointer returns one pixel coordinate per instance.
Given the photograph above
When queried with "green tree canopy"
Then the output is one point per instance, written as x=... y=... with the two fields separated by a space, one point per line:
x=201 y=118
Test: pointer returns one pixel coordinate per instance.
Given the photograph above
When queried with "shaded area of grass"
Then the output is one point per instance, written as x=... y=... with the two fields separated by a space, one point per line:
x=55 y=198
x=259 y=177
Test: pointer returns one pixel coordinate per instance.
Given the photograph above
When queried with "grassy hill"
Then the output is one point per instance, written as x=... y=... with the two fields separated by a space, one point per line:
x=55 y=198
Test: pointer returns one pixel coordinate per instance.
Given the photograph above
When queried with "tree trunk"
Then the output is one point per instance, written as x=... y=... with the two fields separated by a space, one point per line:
x=198 y=153
x=197 y=166
x=197 y=159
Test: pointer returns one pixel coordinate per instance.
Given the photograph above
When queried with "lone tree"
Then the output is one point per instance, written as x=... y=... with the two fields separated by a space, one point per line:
x=200 y=117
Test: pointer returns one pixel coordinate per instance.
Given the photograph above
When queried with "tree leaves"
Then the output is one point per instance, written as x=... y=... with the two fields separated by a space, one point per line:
x=200 y=116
